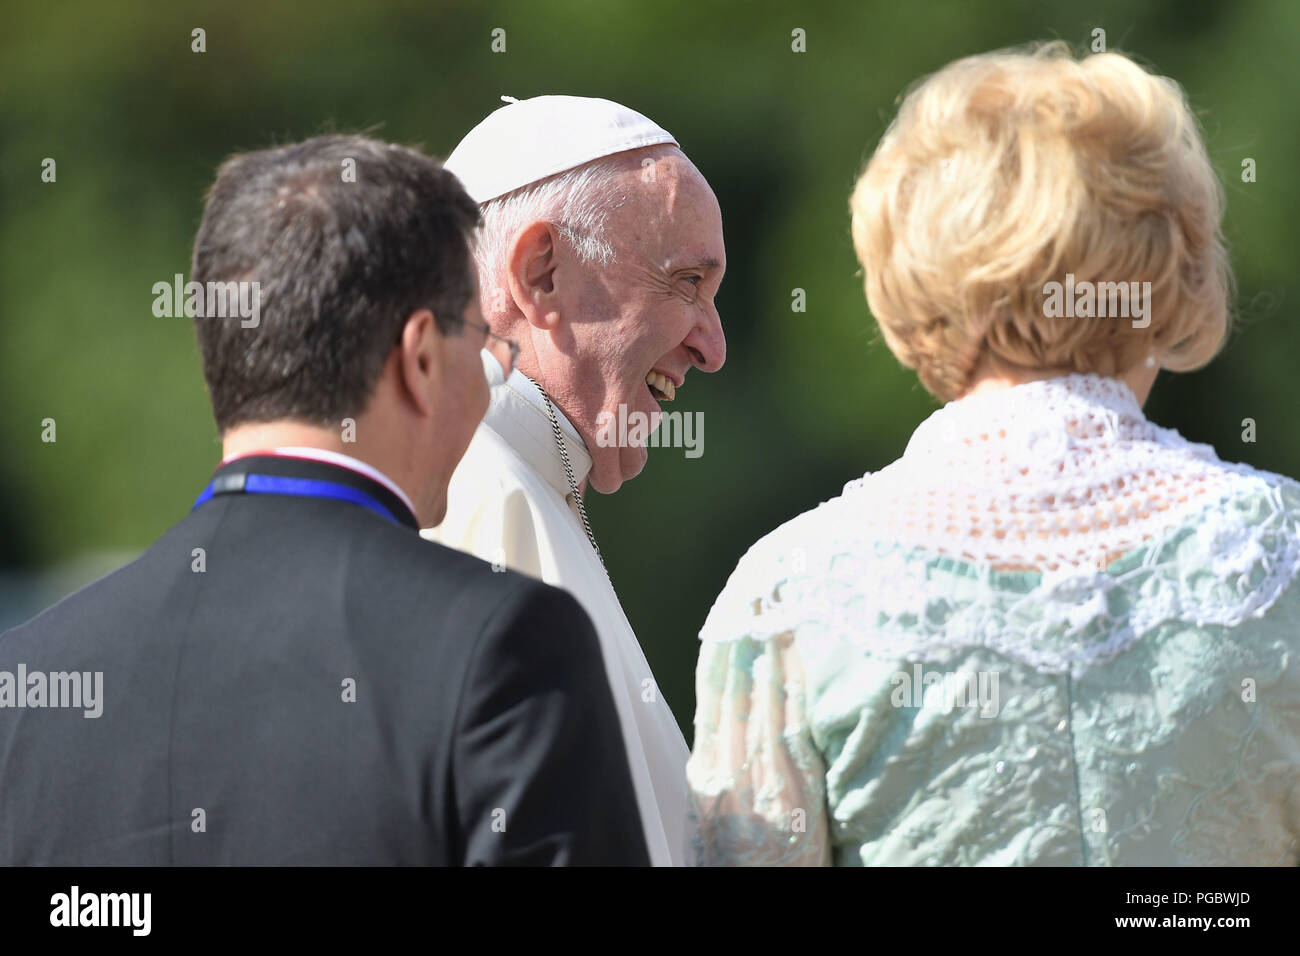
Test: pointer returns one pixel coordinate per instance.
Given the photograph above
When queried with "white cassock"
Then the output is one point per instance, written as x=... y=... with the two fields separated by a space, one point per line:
x=509 y=503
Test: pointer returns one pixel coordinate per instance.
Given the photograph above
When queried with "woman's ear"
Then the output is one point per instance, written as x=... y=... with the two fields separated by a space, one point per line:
x=531 y=273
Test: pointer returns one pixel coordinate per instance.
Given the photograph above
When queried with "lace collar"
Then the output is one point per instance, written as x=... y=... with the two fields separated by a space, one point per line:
x=1063 y=477
x=1049 y=416
x=1065 y=472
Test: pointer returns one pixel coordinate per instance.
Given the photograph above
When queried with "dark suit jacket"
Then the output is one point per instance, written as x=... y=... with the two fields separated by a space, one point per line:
x=482 y=729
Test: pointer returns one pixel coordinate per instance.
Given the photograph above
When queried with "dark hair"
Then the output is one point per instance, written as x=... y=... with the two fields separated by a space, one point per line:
x=341 y=260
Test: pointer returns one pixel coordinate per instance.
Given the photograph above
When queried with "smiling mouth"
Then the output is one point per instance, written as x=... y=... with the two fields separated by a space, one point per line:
x=660 y=387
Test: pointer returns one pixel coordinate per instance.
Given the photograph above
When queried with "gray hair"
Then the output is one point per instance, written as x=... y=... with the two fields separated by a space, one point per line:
x=578 y=201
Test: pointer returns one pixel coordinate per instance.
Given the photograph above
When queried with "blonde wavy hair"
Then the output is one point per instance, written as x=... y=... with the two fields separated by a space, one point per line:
x=1005 y=171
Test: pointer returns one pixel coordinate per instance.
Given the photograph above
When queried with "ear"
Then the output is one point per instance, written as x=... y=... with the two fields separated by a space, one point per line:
x=531 y=269
x=421 y=352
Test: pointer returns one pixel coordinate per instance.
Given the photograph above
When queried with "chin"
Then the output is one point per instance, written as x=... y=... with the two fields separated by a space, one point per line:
x=628 y=465
x=605 y=484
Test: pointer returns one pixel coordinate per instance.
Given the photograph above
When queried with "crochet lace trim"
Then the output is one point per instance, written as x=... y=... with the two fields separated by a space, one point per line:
x=1064 y=477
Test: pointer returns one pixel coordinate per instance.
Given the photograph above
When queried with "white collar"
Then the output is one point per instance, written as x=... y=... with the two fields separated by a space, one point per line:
x=1030 y=413
x=1061 y=472
x=346 y=461
x=520 y=383
x=518 y=415
x=1128 y=526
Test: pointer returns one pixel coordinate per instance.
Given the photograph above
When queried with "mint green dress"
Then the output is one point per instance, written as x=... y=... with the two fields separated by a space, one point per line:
x=1051 y=634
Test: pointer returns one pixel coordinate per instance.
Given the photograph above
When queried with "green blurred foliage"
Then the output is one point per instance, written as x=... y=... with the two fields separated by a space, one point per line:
x=138 y=123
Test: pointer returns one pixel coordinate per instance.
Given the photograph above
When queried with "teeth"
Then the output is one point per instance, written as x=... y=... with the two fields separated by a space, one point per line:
x=662 y=385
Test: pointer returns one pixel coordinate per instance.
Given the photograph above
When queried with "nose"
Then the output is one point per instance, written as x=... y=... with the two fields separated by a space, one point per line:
x=707 y=344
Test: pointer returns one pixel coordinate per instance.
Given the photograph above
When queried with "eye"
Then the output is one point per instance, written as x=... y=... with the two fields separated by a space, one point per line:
x=694 y=279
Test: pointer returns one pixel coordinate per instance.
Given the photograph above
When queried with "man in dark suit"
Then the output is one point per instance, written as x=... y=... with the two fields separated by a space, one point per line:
x=291 y=675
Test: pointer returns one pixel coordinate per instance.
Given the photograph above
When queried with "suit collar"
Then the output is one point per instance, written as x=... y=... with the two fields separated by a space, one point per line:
x=291 y=466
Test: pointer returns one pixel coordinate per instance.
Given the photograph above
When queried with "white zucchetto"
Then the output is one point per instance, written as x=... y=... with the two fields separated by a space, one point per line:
x=530 y=140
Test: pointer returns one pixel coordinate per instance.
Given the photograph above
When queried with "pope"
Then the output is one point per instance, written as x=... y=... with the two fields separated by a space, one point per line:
x=599 y=258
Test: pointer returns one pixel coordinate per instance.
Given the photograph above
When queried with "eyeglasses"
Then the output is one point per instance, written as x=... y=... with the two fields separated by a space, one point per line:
x=504 y=351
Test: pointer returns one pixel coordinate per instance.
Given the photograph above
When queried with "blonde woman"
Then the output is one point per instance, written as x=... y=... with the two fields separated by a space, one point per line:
x=1052 y=632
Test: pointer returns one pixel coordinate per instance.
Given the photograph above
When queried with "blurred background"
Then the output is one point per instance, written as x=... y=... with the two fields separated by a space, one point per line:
x=137 y=124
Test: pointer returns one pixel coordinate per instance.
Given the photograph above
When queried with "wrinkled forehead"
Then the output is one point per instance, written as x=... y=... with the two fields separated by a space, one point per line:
x=670 y=211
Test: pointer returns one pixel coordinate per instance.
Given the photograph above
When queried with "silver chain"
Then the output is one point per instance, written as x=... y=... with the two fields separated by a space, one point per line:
x=568 y=473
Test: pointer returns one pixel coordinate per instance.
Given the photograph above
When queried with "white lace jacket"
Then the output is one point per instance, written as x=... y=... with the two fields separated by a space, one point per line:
x=1050 y=633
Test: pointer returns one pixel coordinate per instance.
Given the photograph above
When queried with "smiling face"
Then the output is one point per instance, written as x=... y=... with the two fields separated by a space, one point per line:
x=628 y=332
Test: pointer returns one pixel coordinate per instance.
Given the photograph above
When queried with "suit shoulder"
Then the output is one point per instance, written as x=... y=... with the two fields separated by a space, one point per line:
x=420 y=563
x=418 y=556
x=85 y=609
x=529 y=617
